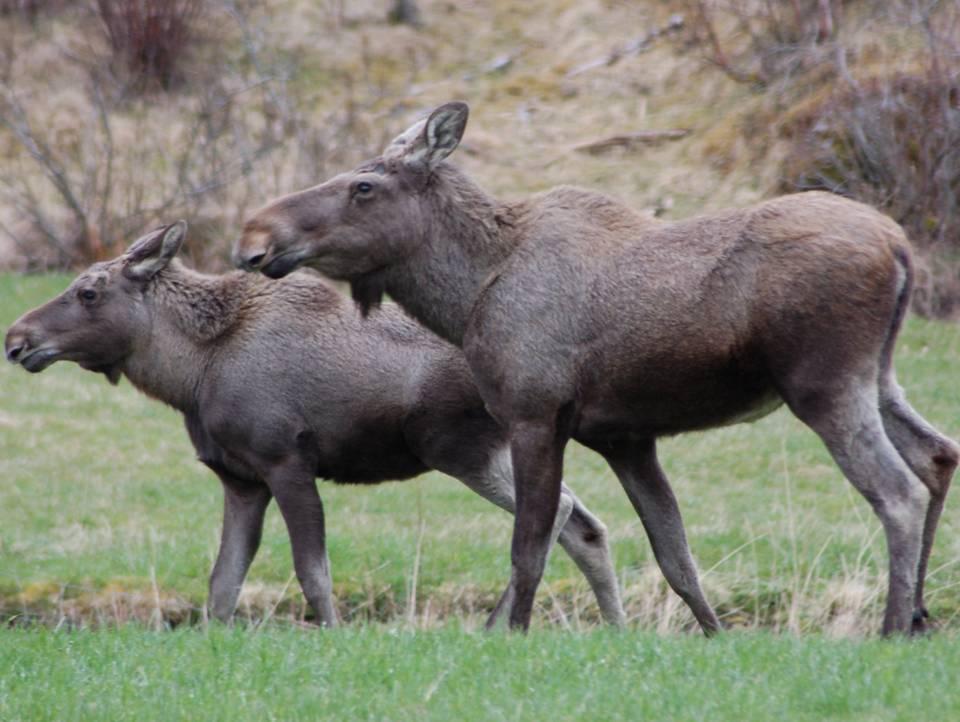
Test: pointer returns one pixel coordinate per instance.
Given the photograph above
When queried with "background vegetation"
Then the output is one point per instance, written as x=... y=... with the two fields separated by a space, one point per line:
x=116 y=115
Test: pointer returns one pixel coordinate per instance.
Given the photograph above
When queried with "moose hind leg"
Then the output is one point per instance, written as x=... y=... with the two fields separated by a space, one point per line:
x=302 y=510
x=849 y=422
x=584 y=537
x=649 y=491
x=933 y=458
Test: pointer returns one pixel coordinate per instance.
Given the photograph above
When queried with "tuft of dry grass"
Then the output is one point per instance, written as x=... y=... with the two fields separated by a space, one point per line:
x=845 y=606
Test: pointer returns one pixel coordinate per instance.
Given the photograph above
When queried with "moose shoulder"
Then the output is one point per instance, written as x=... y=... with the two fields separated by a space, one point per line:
x=581 y=319
x=280 y=383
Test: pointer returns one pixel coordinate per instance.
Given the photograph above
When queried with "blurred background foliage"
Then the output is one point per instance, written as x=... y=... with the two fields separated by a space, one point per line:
x=118 y=115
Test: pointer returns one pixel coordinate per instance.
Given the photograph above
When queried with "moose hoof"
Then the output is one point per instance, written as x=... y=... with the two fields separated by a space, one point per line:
x=920 y=625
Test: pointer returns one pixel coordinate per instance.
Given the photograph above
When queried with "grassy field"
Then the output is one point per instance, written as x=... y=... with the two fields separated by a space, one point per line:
x=108 y=522
x=367 y=674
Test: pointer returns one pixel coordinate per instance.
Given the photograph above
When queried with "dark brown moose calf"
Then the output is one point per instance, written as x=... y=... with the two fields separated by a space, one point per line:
x=280 y=383
x=582 y=319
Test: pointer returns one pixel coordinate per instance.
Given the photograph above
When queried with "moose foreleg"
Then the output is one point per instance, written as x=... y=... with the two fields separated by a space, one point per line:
x=243 y=510
x=537 y=453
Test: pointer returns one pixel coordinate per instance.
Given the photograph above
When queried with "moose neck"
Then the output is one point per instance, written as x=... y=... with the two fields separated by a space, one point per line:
x=463 y=243
x=188 y=310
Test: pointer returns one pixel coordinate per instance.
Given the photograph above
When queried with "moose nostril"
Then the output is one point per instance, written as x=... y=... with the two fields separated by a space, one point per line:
x=13 y=353
x=255 y=260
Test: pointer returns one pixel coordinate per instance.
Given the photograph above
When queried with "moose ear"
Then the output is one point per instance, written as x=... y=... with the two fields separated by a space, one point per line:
x=150 y=254
x=430 y=141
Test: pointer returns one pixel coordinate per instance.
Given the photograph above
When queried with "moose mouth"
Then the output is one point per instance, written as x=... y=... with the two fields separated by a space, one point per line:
x=38 y=359
x=282 y=265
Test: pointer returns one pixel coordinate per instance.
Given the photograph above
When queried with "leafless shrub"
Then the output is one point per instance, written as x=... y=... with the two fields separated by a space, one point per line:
x=405 y=11
x=87 y=170
x=763 y=40
x=149 y=37
x=90 y=198
x=894 y=142
x=85 y=201
x=30 y=9
x=77 y=193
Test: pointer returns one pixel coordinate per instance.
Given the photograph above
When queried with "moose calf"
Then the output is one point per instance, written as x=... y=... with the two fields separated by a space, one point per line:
x=280 y=383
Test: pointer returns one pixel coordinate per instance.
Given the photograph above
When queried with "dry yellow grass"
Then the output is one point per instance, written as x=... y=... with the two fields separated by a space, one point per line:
x=355 y=80
x=335 y=80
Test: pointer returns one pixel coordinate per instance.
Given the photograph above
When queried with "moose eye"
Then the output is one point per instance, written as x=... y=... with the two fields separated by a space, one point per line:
x=363 y=187
x=88 y=294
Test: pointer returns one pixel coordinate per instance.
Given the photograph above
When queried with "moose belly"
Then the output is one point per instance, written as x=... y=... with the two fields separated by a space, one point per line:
x=670 y=401
x=367 y=456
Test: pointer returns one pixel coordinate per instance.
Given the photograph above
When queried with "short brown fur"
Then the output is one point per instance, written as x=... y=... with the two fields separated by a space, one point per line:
x=280 y=383
x=582 y=319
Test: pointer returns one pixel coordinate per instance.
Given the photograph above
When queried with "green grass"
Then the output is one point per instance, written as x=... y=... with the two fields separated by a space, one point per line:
x=106 y=518
x=372 y=674
x=105 y=515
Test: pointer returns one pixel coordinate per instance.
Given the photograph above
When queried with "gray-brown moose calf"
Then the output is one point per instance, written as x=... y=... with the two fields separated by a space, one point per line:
x=280 y=383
